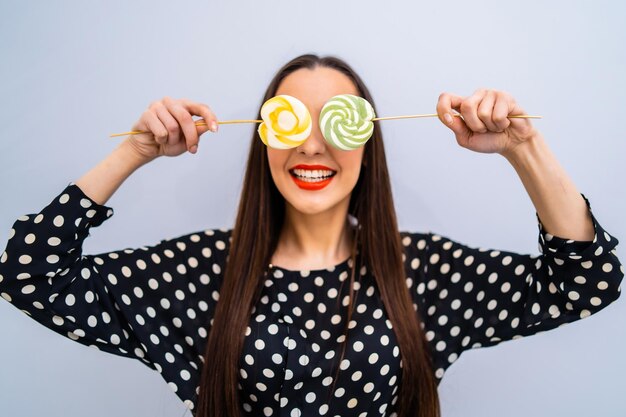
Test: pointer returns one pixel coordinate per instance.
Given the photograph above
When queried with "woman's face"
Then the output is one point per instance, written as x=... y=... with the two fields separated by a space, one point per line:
x=301 y=174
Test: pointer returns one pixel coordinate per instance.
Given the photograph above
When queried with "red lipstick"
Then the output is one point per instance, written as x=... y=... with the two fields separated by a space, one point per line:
x=310 y=183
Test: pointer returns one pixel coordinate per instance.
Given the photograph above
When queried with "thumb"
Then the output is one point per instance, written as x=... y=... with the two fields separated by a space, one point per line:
x=457 y=125
x=451 y=119
x=201 y=126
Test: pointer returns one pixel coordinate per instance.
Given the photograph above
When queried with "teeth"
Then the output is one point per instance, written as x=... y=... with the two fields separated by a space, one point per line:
x=312 y=175
x=317 y=173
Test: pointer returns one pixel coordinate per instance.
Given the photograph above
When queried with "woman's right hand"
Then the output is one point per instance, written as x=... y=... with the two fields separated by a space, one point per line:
x=172 y=131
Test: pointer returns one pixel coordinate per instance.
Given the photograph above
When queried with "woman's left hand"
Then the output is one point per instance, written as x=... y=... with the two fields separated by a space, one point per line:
x=484 y=126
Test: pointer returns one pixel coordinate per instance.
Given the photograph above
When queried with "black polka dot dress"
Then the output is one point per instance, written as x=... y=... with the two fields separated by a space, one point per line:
x=155 y=304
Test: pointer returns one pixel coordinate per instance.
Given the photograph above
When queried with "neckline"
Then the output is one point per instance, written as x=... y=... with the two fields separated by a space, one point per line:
x=343 y=265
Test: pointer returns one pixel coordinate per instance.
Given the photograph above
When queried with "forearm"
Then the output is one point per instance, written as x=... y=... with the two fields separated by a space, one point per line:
x=104 y=179
x=560 y=206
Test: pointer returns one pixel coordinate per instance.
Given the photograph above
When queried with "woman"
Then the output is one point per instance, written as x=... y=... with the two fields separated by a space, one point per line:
x=324 y=307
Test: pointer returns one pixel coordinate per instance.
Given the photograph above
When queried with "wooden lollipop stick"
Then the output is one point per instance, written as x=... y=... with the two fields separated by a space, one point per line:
x=230 y=122
x=198 y=123
x=414 y=116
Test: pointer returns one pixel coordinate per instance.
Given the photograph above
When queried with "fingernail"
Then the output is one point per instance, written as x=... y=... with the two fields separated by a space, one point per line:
x=213 y=127
x=193 y=149
x=448 y=118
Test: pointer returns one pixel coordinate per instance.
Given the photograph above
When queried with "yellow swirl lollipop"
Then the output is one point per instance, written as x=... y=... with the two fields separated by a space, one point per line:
x=286 y=122
x=346 y=121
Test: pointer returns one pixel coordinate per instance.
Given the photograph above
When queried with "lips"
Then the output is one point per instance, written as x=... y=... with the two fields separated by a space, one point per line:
x=312 y=177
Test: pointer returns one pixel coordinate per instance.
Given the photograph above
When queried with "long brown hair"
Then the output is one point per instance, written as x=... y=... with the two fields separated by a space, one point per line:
x=254 y=240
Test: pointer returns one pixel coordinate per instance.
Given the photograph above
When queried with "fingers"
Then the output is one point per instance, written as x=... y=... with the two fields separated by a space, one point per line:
x=445 y=105
x=171 y=125
x=469 y=110
x=170 y=121
x=501 y=111
x=206 y=113
x=186 y=123
x=484 y=111
x=156 y=126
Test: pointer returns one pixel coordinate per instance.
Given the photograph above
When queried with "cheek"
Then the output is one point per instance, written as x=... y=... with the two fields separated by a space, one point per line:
x=275 y=160
x=351 y=162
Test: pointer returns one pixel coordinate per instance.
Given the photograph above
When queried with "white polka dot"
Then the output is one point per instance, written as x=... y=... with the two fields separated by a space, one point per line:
x=595 y=301
x=607 y=267
x=70 y=299
x=25 y=259
x=586 y=264
x=536 y=308
x=58 y=221
x=603 y=285
x=185 y=375
x=554 y=311
x=28 y=289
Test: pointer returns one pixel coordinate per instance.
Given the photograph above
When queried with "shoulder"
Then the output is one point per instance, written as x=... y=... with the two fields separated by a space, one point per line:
x=218 y=239
x=423 y=241
x=207 y=243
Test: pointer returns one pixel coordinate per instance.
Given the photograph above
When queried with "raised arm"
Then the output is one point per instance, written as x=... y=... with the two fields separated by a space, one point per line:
x=171 y=132
x=484 y=127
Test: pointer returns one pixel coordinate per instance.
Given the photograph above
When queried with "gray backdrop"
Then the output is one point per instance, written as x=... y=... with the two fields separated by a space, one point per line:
x=72 y=73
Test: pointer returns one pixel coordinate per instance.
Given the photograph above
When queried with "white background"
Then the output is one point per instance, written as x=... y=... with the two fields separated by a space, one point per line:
x=71 y=73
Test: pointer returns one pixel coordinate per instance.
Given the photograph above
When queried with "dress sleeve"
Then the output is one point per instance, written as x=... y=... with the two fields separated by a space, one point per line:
x=470 y=297
x=151 y=303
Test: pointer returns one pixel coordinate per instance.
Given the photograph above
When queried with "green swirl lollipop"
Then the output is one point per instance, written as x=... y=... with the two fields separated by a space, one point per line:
x=346 y=121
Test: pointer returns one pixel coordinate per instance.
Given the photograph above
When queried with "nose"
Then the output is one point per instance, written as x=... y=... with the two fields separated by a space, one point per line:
x=315 y=143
